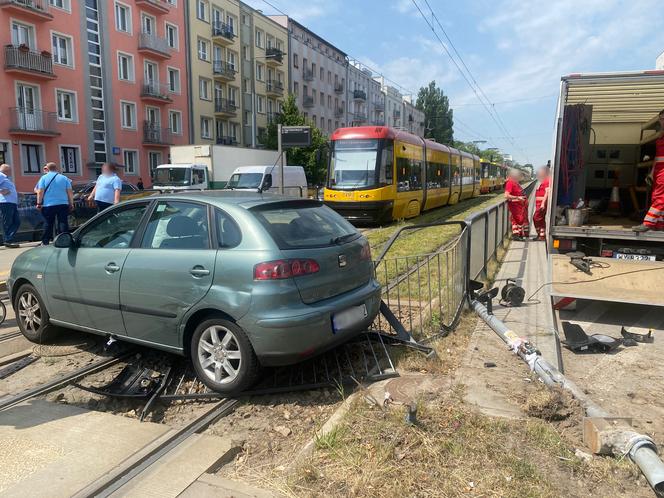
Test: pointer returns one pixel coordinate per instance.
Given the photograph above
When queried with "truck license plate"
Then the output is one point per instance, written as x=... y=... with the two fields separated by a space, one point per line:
x=635 y=257
x=349 y=317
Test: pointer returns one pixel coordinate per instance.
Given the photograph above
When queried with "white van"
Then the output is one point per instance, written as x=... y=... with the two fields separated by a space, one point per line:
x=268 y=179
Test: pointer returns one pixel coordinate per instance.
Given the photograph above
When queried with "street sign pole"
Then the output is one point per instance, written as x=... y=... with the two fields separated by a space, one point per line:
x=281 y=160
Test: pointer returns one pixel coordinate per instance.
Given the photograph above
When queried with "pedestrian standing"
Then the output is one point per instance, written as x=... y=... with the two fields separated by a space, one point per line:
x=55 y=199
x=517 y=204
x=541 y=202
x=8 y=207
x=107 y=188
x=140 y=185
x=654 y=219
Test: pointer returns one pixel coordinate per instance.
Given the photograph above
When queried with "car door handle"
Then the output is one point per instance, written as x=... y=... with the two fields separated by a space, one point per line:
x=111 y=268
x=199 y=271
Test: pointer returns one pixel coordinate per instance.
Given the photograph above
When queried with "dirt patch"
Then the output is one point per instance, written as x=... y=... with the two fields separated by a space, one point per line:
x=552 y=405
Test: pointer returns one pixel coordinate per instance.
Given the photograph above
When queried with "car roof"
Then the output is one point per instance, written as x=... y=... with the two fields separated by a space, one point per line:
x=243 y=199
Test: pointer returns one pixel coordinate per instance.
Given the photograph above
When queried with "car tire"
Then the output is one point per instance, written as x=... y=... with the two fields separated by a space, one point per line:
x=223 y=357
x=32 y=316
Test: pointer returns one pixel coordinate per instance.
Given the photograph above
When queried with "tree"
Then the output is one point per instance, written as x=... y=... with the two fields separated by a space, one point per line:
x=314 y=158
x=438 y=117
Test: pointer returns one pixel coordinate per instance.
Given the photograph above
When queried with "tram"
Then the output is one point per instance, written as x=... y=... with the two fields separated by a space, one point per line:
x=378 y=174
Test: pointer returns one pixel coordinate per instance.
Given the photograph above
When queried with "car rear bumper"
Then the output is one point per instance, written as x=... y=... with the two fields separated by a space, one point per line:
x=288 y=336
x=365 y=212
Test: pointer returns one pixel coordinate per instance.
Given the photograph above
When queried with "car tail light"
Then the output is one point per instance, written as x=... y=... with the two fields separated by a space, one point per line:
x=285 y=268
x=607 y=253
x=365 y=255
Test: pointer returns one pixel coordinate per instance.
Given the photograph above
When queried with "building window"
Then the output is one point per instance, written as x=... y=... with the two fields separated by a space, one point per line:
x=259 y=38
x=322 y=99
x=66 y=102
x=122 y=18
x=62 y=50
x=202 y=9
x=204 y=86
x=232 y=95
x=203 y=49
x=130 y=159
x=61 y=4
x=172 y=36
x=125 y=67
x=175 y=122
x=206 y=128
x=322 y=74
x=23 y=34
x=296 y=88
x=173 y=80
x=259 y=71
x=128 y=115
x=260 y=104
x=296 y=60
x=32 y=158
x=69 y=159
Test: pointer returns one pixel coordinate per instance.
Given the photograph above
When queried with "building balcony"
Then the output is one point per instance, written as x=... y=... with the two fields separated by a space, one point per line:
x=308 y=101
x=339 y=112
x=225 y=107
x=307 y=74
x=154 y=92
x=274 y=88
x=36 y=9
x=156 y=135
x=22 y=60
x=226 y=140
x=274 y=57
x=360 y=95
x=154 y=45
x=223 y=71
x=24 y=121
x=359 y=118
x=379 y=106
x=222 y=33
x=154 y=6
x=338 y=88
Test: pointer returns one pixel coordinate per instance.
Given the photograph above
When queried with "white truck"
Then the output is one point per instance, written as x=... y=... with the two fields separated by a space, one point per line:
x=604 y=149
x=268 y=179
x=206 y=167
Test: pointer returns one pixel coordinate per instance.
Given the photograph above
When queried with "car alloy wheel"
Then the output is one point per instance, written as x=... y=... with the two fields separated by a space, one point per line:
x=219 y=354
x=29 y=312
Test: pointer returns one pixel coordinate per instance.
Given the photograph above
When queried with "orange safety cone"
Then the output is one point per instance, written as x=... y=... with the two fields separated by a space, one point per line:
x=614 y=200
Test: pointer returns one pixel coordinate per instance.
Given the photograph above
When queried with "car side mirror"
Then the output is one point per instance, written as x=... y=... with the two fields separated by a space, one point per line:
x=64 y=241
x=267 y=183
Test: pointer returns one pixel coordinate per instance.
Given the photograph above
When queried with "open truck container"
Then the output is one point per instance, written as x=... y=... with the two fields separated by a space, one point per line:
x=604 y=144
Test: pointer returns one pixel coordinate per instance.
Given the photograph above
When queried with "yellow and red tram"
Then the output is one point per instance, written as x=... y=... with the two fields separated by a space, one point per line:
x=379 y=174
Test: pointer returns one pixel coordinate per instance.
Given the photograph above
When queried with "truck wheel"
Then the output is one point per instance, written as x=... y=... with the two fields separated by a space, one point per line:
x=223 y=357
x=32 y=317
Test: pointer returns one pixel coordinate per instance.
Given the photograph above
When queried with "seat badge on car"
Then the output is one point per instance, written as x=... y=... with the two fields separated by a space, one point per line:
x=342 y=261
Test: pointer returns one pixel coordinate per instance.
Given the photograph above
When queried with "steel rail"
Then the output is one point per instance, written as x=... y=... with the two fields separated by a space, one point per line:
x=124 y=476
x=9 y=337
x=61 y=381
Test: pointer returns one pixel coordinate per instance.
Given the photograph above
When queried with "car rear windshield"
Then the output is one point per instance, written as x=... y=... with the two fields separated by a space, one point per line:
x=299 y=225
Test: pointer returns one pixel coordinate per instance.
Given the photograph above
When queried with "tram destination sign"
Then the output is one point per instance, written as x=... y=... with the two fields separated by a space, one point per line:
x=295 y=136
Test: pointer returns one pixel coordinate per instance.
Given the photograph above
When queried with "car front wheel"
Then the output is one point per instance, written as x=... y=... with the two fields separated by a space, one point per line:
x=32 y=316
x=223 y=357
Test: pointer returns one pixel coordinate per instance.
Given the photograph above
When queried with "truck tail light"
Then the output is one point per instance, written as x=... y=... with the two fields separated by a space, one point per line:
x=564 y=244
x=365 y=255
x=285 y=268
x=607 y=253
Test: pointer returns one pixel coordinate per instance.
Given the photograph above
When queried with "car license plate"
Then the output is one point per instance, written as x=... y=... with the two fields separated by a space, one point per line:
x=349 y=317
x=635 y=257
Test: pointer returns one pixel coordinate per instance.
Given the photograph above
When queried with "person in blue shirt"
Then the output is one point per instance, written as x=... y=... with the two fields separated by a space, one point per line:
x=107 y=189
x=8 y=207
x=55 y=198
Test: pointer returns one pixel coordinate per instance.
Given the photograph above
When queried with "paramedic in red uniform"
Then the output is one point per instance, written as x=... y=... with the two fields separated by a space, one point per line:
x=654 y=219
x=518 y=205
x=541 y=203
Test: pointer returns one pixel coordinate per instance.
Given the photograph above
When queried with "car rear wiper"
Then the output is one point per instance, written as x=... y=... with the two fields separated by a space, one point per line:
x=342 y=238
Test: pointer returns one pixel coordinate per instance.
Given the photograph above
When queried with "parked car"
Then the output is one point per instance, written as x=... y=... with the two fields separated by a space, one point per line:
x=84 y=210
x=32 y=221
x=82 y=190
x=234 y=280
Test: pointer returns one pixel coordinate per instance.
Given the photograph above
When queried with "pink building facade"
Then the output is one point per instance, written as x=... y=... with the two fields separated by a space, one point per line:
x=91 y=81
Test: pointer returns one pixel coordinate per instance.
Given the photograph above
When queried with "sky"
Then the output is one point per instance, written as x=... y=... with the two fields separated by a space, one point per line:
x=516 y=52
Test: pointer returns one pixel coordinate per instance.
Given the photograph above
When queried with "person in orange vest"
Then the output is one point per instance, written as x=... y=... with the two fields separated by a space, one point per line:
x=654 y=219
x=517 y=202
x=541 y=202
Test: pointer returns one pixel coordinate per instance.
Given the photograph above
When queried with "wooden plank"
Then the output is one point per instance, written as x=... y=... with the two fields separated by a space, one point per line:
x=617 y=281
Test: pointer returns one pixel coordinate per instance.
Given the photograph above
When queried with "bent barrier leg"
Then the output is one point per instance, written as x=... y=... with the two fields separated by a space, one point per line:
x=619 y=441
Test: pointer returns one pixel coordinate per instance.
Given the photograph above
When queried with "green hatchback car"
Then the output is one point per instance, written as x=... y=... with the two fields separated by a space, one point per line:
x=234 y=281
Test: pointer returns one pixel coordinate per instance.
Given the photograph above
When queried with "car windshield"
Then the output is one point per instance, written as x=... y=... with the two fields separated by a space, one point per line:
x=353 y=164
x=173 y=176
x=78 y=188
x=245 y=180
x=299 y=225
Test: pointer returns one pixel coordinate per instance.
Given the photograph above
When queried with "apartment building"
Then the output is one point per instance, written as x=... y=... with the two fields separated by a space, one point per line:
x=393 y=104
x=318 y=76
x=91 y=82
x=412 y=118
x=366 y=103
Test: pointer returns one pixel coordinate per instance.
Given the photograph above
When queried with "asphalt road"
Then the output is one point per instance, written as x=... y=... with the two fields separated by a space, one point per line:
x=7 y=257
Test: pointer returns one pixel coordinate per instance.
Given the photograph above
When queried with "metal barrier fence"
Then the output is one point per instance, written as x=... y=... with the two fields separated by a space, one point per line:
x=424 y=294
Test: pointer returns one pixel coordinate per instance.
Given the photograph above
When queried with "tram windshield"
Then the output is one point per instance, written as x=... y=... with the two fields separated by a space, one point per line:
x=359 y=164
